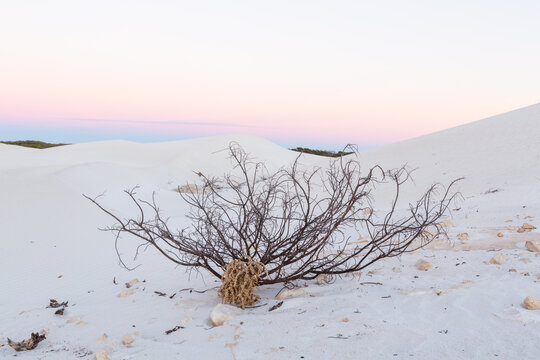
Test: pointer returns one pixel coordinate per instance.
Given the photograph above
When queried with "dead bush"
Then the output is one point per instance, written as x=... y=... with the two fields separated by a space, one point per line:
x=295 y=224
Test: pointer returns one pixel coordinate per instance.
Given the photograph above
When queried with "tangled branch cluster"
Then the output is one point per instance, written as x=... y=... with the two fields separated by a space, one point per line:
x=294 y=222
x=239 y=281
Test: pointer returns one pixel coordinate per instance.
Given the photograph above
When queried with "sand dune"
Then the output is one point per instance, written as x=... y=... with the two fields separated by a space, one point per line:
x=461 y=308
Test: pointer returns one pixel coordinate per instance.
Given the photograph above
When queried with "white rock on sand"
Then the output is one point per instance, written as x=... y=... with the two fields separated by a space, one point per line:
x=190 y=189
x=222 y=313
x=533 y=246
x=498 y=259
x=126 y=292
x=531 y=303
x=423 y=265
x=290 y=293
x=102 y=355
x=127 y=339
x=463 y=237
x=131 y=283
x=526 y=227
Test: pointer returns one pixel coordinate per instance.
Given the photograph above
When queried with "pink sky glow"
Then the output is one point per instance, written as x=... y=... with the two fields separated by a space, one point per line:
x=300 y=73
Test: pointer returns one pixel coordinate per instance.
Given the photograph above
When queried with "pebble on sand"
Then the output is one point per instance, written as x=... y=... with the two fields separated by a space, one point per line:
x=290 y=293
x=533 y=246
x=127 y=339
x=423 y=265
x=498 y=259
x=222 y=313
x=102 y=355
x=531 y=303
x=126 y=292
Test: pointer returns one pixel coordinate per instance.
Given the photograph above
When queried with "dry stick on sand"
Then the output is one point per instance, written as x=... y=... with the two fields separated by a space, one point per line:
x=294 y=222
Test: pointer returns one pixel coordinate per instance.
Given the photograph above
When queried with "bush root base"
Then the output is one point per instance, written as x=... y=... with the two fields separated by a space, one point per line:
x=239 y=281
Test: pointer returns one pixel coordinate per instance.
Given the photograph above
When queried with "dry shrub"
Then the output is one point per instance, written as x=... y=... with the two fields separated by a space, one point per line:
x=239 y=281
x=297 y=222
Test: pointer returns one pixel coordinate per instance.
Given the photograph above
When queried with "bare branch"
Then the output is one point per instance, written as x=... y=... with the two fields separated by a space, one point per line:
x=297 y=223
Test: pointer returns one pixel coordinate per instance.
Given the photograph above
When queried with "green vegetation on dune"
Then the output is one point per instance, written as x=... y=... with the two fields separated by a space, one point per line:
x=31 y=144
x=321 y=152
x=43 y=145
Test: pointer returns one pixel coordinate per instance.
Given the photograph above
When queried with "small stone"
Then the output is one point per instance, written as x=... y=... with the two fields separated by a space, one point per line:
x=222 y=313
x=1 y=344
x=537 y=276
x=500 y=234
x=126 y=292
x=531 y=303
x=345 y=320
x=291 y=293
x=512 y=270
x=467 y=281
x=396 y=269
x=533 y=246
x=102 y=355
x=127 y=340
x=323 y=279
x=463 y=237
x=81 y=323
x=423 y=265
x=527 y=227
x=498 y=259
x=131 y=283
x=190 y=189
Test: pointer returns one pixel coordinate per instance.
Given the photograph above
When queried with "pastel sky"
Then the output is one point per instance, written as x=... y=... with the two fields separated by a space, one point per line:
x=301 y=73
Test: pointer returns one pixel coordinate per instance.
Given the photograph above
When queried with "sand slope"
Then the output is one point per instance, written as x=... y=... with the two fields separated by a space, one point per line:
x=50 y=248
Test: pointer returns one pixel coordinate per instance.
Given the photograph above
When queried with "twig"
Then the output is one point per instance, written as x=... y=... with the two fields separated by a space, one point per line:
x=173 y=329
x=277 y=306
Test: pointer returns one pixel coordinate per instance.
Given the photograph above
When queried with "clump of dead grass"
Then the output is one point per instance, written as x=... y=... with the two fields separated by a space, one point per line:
x=239 y=281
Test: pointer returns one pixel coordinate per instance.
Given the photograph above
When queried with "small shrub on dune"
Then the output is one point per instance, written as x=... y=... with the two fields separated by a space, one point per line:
x=254 y=227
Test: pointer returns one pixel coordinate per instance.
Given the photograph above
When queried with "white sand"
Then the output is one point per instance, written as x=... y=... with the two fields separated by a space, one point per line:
x=48 y=229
